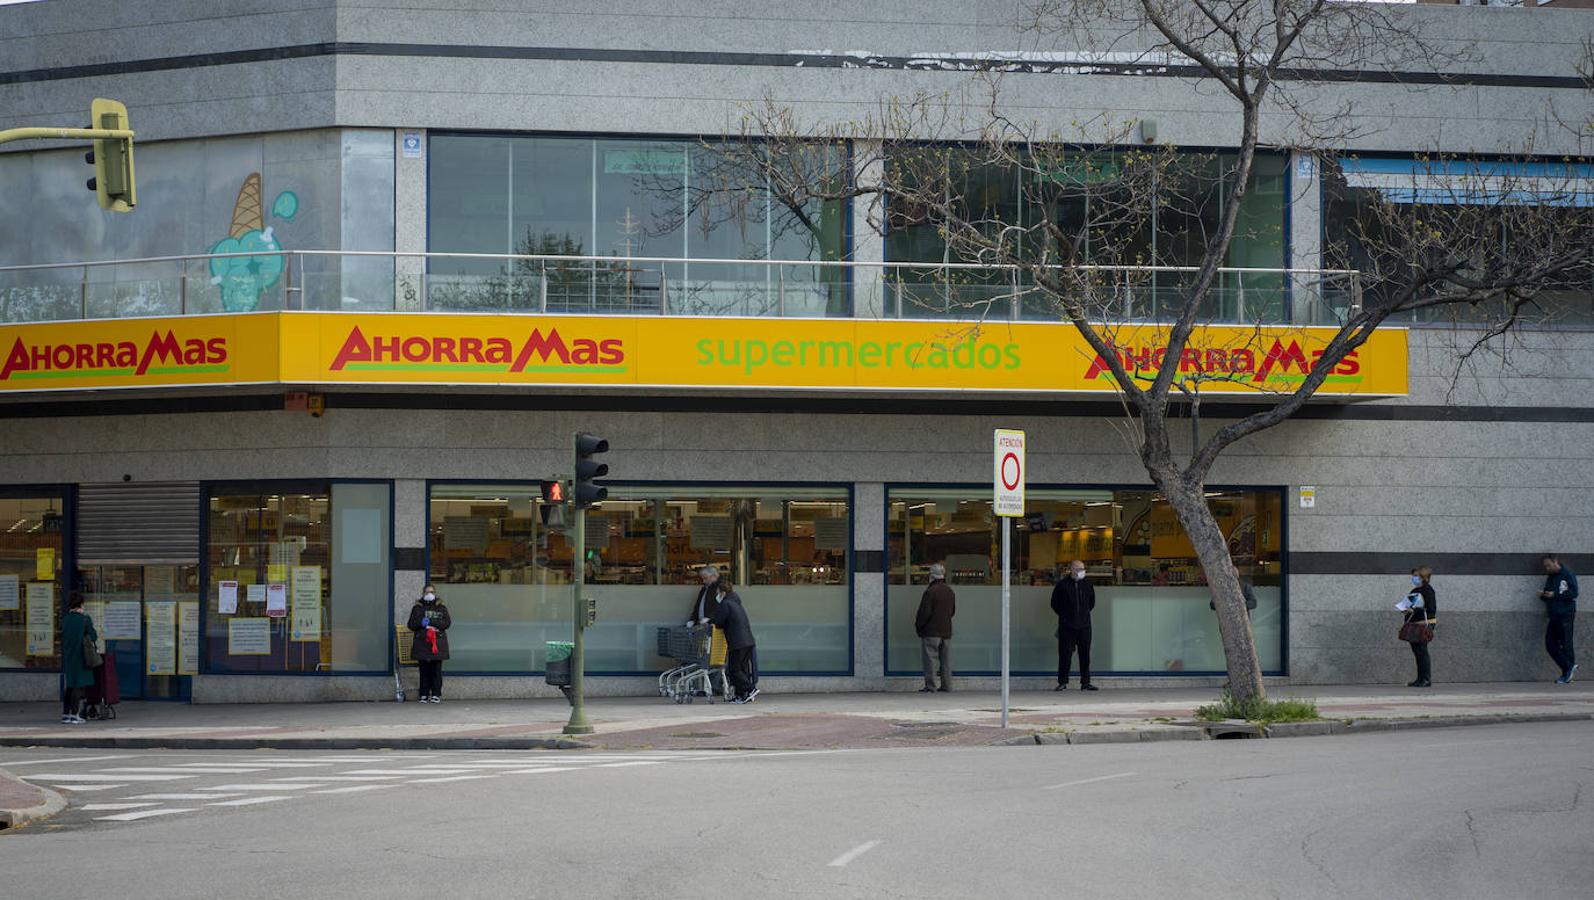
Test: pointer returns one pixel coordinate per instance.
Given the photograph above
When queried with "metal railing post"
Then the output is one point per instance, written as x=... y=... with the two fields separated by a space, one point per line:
x=83 y=294
x=1239 y=297
x=182 y=288
x=542 y=301
x=780 y=292
x=664 y=293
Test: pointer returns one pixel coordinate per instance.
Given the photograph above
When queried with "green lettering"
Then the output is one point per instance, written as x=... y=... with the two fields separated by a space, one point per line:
x=911 y=354
x=832 y=351
x=869 y=355
x=762 y=355
x=784 y=350
x=891 y=351
x=1012 y=356
x=963 y=356
x=802 y=353
x=704 y=355
x=991 y=360
x=937 y=356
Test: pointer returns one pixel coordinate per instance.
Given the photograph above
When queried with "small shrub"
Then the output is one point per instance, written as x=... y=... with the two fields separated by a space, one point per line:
x=1262 y=712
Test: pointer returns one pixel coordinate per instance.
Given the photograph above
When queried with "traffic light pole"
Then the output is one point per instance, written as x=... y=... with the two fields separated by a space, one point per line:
x=64 y=134
x=578 y=576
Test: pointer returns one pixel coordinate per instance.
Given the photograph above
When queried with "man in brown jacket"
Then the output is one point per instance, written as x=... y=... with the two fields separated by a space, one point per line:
x=934 y=627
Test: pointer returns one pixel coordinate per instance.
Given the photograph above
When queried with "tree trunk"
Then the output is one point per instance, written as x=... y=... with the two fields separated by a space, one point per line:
x=1223 y=582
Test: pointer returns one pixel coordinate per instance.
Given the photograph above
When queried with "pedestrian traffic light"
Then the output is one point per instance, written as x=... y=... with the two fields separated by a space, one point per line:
x=112 y=158
x=583 y=490
x=553 y=504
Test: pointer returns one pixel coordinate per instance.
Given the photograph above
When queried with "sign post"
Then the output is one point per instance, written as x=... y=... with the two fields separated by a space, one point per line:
x=1008 y=482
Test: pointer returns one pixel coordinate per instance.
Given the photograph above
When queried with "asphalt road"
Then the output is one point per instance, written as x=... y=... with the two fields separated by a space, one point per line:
x=1487 y=812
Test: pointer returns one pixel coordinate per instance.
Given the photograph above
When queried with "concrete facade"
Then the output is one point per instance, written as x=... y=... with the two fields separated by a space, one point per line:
x=1474 y=472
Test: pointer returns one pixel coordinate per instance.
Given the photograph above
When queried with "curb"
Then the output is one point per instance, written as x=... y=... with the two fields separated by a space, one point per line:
x=16 y=818
x=1321 y=728
x=192 y=743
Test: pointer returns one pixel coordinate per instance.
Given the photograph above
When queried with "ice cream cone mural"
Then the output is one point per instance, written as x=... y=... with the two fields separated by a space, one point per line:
x=244 y=280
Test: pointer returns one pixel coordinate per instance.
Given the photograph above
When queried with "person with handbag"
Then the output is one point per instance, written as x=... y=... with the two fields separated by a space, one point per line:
x=429 y=619
x=79 y=657
x=1422 y=613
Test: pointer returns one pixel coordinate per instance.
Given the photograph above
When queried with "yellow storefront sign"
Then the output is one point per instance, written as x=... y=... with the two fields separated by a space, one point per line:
x=615 y=351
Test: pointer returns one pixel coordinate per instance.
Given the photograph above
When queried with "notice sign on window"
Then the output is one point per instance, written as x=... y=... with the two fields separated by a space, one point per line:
x=710 y=532
x=121 y=621
x=249 y=637
x=187 y=638
x=160 y=637
x=44 y=563
x=10 y=592
x=276 y=600
x=41 y=619
x=227 y=598
x=306 y=588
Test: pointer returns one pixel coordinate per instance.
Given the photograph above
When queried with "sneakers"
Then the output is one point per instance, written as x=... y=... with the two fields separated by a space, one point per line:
x=1419 y=683
x=431 y=699
x=1568 y=675
x=437 y=699
x=927 y=690
x=1089 y=687
x=753 y=695
x=73 y=720
x=1061 y=687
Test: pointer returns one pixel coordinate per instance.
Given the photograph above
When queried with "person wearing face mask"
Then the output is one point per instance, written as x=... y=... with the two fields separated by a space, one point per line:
x=1422 y=613
x=429 y=620
x=1072 y=600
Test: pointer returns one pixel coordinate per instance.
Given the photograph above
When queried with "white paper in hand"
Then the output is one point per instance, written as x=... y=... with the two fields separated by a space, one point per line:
x=1404 y=604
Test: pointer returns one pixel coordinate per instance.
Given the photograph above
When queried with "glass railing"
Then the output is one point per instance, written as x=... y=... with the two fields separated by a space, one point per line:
x=370 y=281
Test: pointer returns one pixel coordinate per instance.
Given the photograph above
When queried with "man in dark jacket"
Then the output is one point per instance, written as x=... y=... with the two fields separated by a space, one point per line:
x=741 y=665
x=1560 y=601
x=708 y=597
x=1072 y=600
x=933 y=624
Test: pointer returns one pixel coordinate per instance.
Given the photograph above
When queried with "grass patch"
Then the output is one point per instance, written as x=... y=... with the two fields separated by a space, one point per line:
x=1261 y=712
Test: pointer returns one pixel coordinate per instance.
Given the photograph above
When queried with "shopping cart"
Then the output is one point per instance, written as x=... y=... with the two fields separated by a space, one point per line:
x=699 y=659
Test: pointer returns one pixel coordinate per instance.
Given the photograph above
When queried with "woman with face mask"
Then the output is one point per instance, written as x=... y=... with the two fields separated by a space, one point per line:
x=429 y=620
x=1422 y=613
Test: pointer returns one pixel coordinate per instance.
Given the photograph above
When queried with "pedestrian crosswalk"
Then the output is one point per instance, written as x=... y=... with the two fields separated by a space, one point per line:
x=140 y=785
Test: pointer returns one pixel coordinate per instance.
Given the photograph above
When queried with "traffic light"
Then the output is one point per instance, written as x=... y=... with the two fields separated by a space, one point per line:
x=584 y=491
x=553 y=504
x=112 y=158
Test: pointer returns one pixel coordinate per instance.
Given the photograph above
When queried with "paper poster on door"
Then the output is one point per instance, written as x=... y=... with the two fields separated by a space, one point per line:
x=187 y=638
x=276 y=600
x=249 y=637
x=227 y=598
x=121 y=621
x=306 y=588
x=95 y=610
x=160 y=637
x=160 y=582
x=41 y=619
x=44 y=563
x=10 y=592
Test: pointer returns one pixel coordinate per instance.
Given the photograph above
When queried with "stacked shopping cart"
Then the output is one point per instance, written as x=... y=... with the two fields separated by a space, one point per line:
x=699 y=657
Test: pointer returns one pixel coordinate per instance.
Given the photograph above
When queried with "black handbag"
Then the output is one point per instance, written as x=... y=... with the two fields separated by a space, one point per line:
x=91 y=654
x=1416 y=632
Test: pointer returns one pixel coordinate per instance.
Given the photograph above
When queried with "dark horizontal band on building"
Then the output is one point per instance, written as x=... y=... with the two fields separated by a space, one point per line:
x=1307 y=562
x=824 y=405
x=929 y=63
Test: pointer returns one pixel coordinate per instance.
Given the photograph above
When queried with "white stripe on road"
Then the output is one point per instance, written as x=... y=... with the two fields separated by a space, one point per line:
x=1053 y=787
x=645 y=762
x=247 y=801
x=449 y=778
x=454 y=771
x=541 y=769
x=356 y=788
x=262 y=764
x=141 y=814
x=207 y=770
x=854 y=853
x=67 y=776
x=84 y=788
x=336 y=778
x=180 y=796
x=279 y=786
x=59 y=759
x=107 y=807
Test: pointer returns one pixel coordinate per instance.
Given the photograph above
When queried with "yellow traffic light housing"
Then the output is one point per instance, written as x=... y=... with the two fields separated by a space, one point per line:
x=112 y=157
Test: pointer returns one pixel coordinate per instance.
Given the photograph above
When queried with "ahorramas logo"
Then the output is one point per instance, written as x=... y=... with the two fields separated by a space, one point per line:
x=162 y=354
x=539 y=352
x=1281 y=362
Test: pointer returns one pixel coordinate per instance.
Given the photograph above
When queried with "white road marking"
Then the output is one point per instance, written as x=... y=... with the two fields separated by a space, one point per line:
x=279 y=786
x=454 y=771
x=107 y=807
x=336 y=778
x=211 y=796
x=247 y=801
x=853 y=854
x=207 y=770
x=67 y=776
x=85 y=788
x=141 y=814
x=262 y=764
x=541 y=769
x=356 y=788
x=449 y=778
x=59 y=759
x=1053 y=787
x=619 y=765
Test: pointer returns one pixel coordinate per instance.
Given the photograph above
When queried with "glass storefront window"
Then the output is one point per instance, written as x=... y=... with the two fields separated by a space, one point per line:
x=1152 y=612
x=32 y=551
x=506 y=578
x=148 y=618
x=622 y=198
x=298 y=578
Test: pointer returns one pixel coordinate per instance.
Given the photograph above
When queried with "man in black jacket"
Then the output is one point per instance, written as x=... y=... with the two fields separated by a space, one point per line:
x=1072 y=600
x=1560 y=601
x=741 y=661
x=933 y=625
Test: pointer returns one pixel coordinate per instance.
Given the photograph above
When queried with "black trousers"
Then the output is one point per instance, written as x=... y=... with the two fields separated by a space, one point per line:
x=431 y=678
x=1558 y=640
x=71 y=699
x=741 y=669
x=1424 y=664
x=1068 y=641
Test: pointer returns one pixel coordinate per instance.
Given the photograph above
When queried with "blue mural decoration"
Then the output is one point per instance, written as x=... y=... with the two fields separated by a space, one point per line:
x=245 y=280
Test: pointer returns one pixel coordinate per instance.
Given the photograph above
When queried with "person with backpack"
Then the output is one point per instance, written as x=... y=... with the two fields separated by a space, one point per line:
x=78 y=638
x=429 y=619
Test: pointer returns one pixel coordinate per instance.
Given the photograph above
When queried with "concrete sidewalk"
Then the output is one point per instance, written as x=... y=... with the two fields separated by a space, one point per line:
x=806 y=721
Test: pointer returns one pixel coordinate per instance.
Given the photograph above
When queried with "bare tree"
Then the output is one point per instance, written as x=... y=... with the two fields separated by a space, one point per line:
x=1109 y=233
